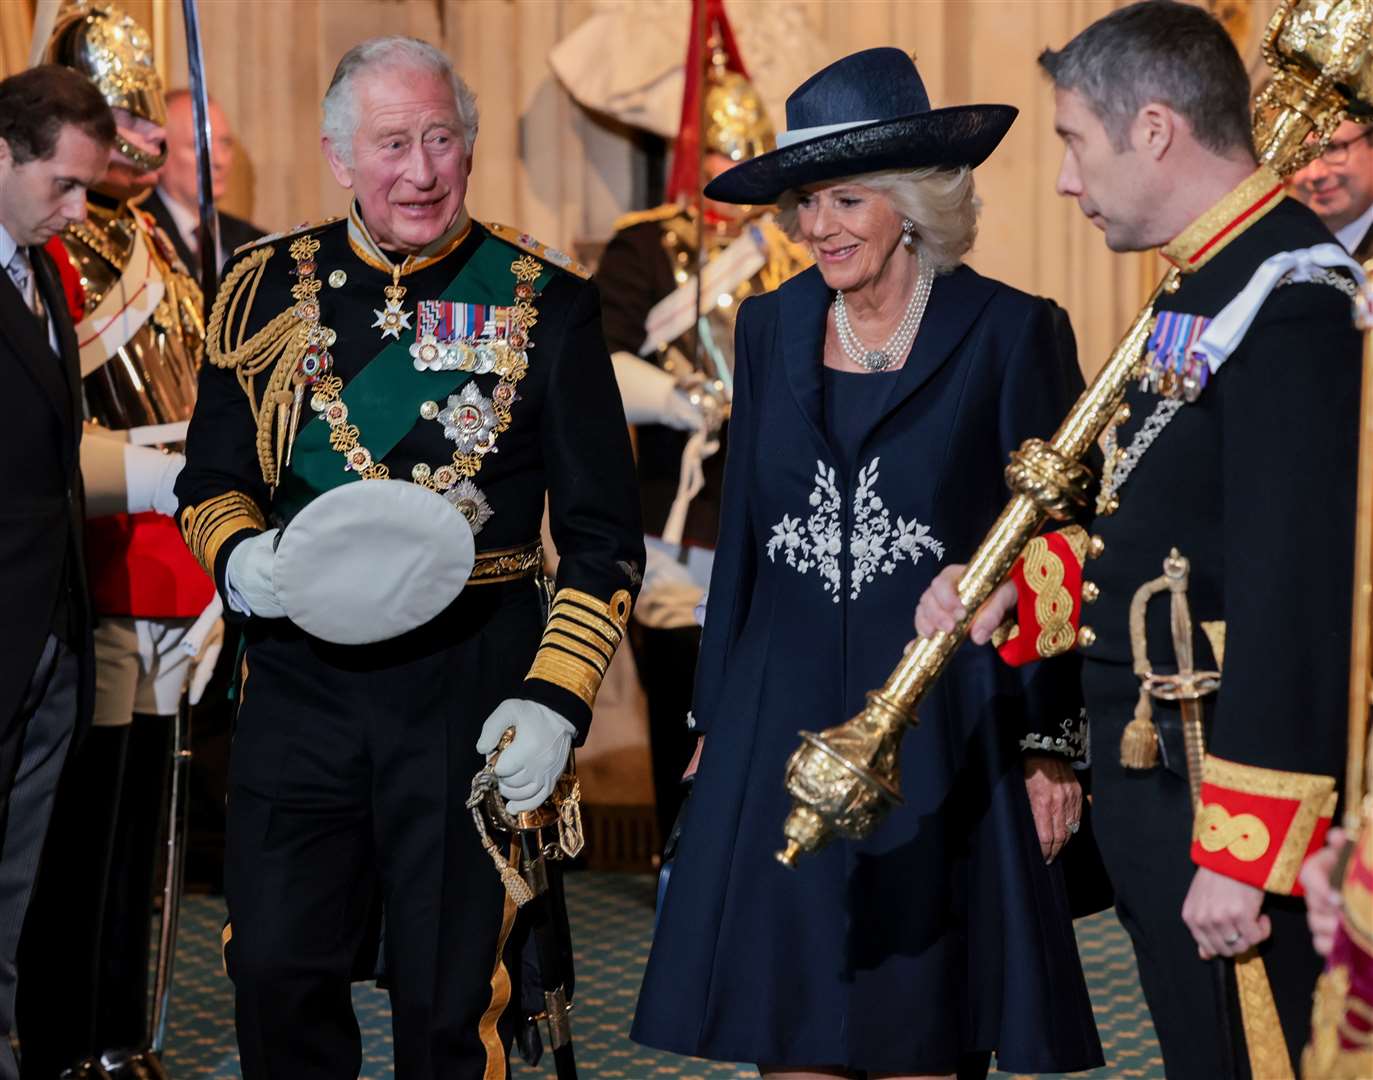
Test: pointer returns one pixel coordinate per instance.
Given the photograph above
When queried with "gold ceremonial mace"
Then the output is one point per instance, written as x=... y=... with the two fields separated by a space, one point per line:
x=843 y=780
x=1358 y=802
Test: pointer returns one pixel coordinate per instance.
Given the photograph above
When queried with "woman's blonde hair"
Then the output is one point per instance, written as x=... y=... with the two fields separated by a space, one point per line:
x=943 y=203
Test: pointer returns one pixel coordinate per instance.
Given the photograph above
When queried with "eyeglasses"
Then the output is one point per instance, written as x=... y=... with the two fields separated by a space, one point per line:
x=1337 y=153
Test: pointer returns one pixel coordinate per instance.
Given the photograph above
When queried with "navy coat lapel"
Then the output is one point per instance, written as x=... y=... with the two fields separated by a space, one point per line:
x=956 y=301
x=805 y=303
x=29 y=343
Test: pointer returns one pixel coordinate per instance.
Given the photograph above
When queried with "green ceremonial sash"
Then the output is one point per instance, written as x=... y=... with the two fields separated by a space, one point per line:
x=383 y=398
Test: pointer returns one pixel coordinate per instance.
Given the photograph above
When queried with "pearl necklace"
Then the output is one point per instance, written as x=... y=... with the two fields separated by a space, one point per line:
x=902 y=337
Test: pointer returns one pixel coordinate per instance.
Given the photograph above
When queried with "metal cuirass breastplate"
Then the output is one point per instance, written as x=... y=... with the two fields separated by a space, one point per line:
x=151 y=377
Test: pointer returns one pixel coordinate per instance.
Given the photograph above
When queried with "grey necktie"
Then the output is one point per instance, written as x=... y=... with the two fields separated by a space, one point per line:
x=21 y=273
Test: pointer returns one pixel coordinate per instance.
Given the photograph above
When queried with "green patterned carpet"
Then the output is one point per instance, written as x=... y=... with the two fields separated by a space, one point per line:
x=611 y=917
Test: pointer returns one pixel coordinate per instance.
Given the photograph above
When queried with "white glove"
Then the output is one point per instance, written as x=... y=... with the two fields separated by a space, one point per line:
x=530 y=766
x=149 y=476
x=652 y=396
x=203 y=664
x=203 y=642
x=248 y=577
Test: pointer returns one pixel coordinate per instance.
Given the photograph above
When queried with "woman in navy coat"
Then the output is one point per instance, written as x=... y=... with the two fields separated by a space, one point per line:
x=858 y=465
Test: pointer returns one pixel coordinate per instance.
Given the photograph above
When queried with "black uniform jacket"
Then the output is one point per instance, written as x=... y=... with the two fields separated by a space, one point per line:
x=635 y=273
x=567 y=438
x=1253 y=483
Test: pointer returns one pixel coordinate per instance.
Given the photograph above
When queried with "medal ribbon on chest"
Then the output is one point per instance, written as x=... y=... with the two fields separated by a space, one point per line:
x=471 y=421
x=456 y=336
x=1173 y=366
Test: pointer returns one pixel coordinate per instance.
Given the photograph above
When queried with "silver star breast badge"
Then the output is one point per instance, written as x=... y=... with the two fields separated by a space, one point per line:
x=391 y=320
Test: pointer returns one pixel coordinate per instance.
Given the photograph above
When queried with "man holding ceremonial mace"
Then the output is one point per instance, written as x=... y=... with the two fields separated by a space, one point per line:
x=1231 y=452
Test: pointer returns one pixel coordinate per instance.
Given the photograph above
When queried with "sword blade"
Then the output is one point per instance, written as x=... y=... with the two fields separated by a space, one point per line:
x=200 y=101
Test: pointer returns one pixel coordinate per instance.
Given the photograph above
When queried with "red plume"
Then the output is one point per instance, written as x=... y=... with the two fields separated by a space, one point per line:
x=71 y=278
x=685 y=182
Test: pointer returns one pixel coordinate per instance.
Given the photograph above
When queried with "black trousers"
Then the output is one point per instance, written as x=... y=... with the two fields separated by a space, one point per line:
x=349 y=771
x=1143 y=823
x=667 y=669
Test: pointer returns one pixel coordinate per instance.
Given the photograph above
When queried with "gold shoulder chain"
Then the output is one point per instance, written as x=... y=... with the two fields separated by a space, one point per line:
x=277 y=346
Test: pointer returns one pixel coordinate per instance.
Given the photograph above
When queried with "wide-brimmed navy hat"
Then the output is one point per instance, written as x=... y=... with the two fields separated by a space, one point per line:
x=862 y=114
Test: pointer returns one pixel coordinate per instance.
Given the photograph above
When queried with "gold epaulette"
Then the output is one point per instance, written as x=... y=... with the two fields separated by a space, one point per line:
x=205 y=526
x=638 y=217
x=579 y=640
x=525 y=242
x=270 y=238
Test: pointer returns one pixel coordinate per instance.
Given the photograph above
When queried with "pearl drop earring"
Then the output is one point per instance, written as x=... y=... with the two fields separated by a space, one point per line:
x=908 y=232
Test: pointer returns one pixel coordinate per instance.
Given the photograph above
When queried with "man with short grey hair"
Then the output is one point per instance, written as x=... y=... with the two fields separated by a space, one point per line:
x=344 y=487
x=1229 y=469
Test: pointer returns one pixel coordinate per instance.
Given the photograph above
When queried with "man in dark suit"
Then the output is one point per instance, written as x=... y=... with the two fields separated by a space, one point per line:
x=1338 y=186
x=55 y=137
x=176 y=201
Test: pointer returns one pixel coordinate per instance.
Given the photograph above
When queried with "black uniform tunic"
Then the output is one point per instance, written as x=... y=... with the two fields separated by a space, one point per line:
x=1254 y=484
x=351 y=764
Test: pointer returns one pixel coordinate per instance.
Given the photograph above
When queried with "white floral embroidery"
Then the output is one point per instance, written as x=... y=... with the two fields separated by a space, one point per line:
x=874 y=544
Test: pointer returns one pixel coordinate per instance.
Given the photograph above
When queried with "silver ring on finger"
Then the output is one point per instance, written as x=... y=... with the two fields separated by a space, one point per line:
x=1231 y=940
x=1073 y=827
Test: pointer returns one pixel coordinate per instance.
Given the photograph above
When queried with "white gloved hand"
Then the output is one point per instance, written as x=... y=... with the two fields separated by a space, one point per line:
x=202 y=643
x=652 y=396
x=203 y=663
x=149 y=476
x=530 y=766
x=248 y=577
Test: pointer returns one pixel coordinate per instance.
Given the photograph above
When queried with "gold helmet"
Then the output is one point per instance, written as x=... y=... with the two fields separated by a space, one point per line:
x=115 y=53
x=737 y=123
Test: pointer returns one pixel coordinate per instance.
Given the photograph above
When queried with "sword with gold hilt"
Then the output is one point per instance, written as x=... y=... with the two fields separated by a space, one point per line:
x=1263 y=1038
x=1139 y=745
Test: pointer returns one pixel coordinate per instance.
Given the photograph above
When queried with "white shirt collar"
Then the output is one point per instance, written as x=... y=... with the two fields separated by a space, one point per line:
x=187 y=221
x=8 y=246
x=1355 y=231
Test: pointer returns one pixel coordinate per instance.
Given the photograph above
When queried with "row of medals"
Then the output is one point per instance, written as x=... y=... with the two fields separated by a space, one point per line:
x=467 y=422
x=480 y=358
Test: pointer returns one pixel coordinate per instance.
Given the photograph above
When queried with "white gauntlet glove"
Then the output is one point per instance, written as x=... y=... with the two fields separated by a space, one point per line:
x=202 y=643
x=248 y=577
x=122 y=478
x=530 y=766
x=150 y=475
x=651 y=395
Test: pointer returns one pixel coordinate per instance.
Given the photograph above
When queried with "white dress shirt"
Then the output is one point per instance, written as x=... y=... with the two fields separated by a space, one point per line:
x=187 y=224
x=1356 y=230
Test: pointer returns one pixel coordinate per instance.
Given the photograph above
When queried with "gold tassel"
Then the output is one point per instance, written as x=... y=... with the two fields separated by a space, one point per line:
x=1139 y=742
x=294 y=422
x=282 y=401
